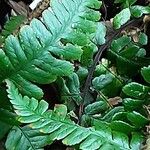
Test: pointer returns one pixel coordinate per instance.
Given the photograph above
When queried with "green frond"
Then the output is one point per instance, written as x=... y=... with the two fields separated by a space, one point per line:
x=42 y=50
x=58 y=125
x=126 y=52
x=26 y=138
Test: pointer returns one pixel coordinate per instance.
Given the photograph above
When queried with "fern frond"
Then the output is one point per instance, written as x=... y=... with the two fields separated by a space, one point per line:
x=26 y=139
x=57 y=123
x=125 y=52
x=63 y=30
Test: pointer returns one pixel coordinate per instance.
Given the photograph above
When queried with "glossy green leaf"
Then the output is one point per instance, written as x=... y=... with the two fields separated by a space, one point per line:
x=121 y=18
x=135 y=90
x=137 y=119
x=143 y=39
x=141 y=53
x=70 y=52
x=145 y=71
x=101 y=68
x=87 y=57
x=121 y=138
x=130 y=52
x=132 y=104
x=122 y=126
x=71 y=89
x=126 y=3
x=138 y=11
x=109 y=115
x=26 y=138
x=107 y=82
x=96 y=107
x=102 y=81
x=120 y=43
x=96 y=142
x=122 y=116
x=100 y=34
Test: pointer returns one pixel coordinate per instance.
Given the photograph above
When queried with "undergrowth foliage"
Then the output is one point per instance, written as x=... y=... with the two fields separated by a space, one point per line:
x=104 y=105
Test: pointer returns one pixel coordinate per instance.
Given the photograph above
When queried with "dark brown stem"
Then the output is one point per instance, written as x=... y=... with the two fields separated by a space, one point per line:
x=105 y=10
x=101 y=49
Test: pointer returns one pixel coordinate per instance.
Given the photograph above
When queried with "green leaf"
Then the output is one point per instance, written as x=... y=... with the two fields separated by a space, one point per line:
x=56 y=128
x=107 y=82
x=137 y=11
x=100 y=34
x=132 y=104
x=122 y=116
x=124 y=52
x=94 y=4
x=120 y=43
x=101 y=68
x=61 y=111
x=95 y=140
x=109 y=115
x=135 y=90
x=122 y=126
x=82 y=74
x=121 y=138
x=145 y=71
x=102 y=126
x=87 y=57
x=96 y=107
x=71 y=89
x=26 y=138
x=103 y=80
x=134 y=65
x=121 y=18
x=141 y=53
x=130 y=52
x=137 y=119
x=126 y=3
x=70 y=52
x=143 y=39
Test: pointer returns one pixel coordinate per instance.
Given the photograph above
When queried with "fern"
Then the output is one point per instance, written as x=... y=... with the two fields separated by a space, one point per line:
x=58 y=124
x=36 y=55
x=125 y=52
